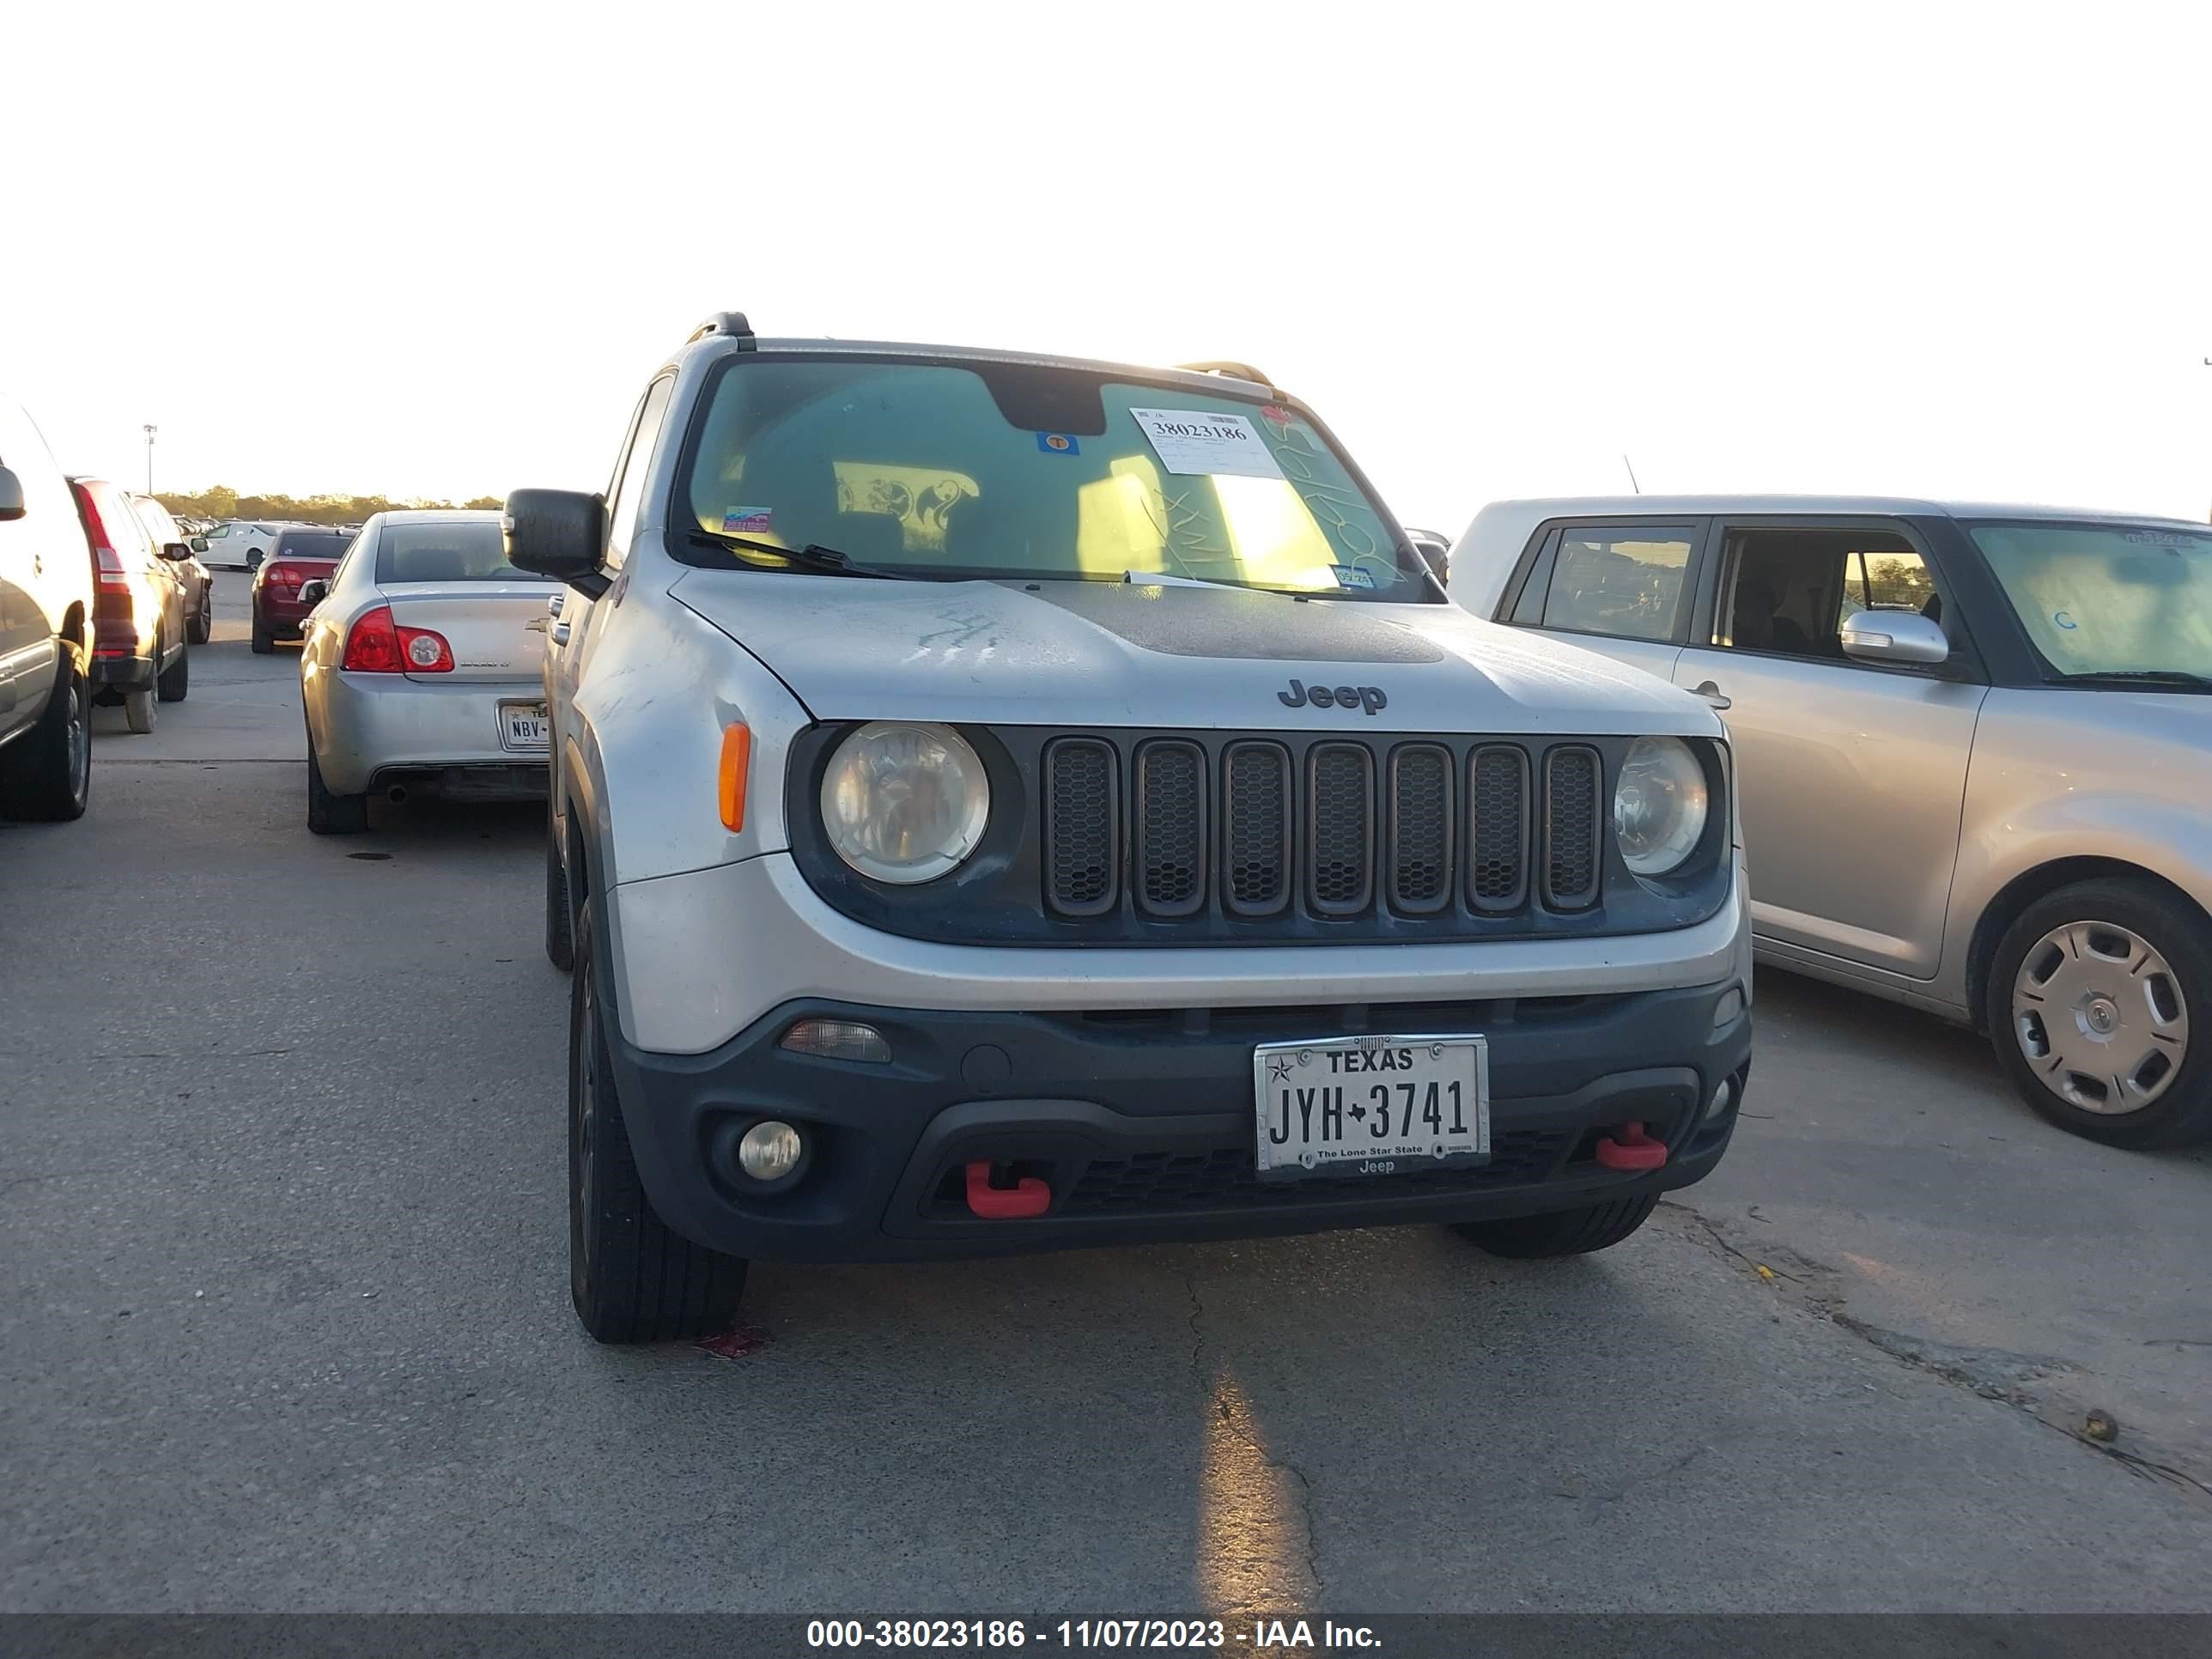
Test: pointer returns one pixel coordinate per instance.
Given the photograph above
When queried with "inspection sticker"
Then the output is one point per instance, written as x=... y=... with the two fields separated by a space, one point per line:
x=1202 y=441
x=1058 y=443
x=747 y=521
x=1350 y=575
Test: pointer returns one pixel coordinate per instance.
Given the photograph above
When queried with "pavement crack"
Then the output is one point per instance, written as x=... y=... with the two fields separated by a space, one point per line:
x=1225 y=1400
x=1995 y=1373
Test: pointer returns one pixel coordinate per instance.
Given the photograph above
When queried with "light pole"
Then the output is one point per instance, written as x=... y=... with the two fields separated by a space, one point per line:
x=150 y=430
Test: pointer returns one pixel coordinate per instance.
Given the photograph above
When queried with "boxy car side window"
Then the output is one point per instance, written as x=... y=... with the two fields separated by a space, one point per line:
x=1624 y=581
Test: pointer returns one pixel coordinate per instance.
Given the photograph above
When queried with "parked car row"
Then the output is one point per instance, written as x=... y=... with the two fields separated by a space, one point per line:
x=102 y=599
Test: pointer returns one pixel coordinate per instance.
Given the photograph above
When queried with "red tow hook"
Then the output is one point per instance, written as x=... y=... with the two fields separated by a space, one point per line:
x=1028 y=1196
x=1629 y=1149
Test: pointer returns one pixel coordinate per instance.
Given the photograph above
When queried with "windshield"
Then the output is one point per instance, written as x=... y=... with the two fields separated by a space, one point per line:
x=2107 y=599
x=459 y=551
x=1007 y=470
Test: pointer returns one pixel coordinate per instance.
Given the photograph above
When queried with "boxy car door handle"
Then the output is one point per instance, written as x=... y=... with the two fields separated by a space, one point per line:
x=553 y=604
x=560 y=632
x=1711 y=693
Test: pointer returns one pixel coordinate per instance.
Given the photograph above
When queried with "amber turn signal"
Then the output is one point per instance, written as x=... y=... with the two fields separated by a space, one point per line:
x=737 y=758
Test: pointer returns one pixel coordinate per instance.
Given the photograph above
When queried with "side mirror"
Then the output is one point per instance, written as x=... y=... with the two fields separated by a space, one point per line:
x=314 y=590
x=1897 y=636
x=561 y=533
x=175 y=552
x=199 y=543
x=11 y=496
x=1437 y=555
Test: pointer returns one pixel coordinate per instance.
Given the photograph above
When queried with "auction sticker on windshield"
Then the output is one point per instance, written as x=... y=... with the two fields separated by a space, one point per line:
x=1370 y=1105
x=1200 y=441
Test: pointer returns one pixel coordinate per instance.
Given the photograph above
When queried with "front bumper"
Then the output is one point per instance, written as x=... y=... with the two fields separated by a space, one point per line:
x=1142 y=1122
x=372 y=731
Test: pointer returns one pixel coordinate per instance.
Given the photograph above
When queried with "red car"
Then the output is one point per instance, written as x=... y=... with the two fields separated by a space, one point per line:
x=301 y=556
x=139 y=627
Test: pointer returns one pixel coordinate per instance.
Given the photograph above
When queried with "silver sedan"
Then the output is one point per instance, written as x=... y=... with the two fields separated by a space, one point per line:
x=420 y=670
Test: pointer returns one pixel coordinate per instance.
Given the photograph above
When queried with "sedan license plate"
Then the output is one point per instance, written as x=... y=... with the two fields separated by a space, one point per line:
x=1370 y=1105
x=522 y=725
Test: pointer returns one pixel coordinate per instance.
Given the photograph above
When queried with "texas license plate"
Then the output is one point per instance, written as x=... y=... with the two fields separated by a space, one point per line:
x=522 y=725
x=1370 y=1105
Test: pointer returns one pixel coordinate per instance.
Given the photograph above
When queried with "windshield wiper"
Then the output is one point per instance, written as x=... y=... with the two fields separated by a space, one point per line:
x=813 y=557
x=2138 y=676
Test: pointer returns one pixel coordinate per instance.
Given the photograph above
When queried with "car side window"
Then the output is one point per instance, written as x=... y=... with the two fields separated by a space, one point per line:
x=628 y=495
x=1789 y=592
x=1624 y=581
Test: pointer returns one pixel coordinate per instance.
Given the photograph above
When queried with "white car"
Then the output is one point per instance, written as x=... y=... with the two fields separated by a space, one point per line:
x=242 y=544
x=420 y=670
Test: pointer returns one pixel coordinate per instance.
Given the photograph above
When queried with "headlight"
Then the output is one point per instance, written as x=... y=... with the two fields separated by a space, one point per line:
x=1659 y=806
x=904 y=803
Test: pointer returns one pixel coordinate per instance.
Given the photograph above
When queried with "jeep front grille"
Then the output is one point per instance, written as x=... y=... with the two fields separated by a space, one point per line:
x=1344 y=829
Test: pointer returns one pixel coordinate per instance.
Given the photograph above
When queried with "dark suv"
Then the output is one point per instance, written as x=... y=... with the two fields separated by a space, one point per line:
x=140 y=642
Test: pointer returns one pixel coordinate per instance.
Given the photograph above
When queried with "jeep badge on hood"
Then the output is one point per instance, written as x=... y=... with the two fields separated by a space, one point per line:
x=1368 y=697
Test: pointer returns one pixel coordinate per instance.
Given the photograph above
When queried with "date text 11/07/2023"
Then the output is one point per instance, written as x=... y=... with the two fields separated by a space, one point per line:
x=1141 y=1634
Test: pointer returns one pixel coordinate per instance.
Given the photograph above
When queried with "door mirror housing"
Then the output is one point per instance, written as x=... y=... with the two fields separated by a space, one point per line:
x=1894 y=636
x=199 y=543
x=561 y=533
x=1434 y=551
x=11 y=496
x=175 y=552
x=314 y=590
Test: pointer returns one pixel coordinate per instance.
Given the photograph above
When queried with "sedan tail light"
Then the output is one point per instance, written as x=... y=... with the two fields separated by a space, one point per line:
x=377 y=645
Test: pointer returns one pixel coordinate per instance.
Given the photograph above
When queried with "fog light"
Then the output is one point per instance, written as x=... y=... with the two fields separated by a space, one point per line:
x=1718 y=1105
x=769 y=1151
x=1729 y=1006
x=838 y=1039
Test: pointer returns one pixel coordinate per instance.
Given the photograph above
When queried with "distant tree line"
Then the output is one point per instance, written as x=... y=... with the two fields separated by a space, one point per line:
x=223 y=502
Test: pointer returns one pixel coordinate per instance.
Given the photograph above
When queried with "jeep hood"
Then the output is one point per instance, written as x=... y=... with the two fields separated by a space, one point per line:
x=1078 y=653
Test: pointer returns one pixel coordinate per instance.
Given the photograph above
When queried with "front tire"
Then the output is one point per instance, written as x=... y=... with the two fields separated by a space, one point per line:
x=47 y=773
x=175 y=682
x=330 y=814
x=2089 y=1003
x=1563 y=1232
x=201 y=629
x=631 y=1277
x=559 y=917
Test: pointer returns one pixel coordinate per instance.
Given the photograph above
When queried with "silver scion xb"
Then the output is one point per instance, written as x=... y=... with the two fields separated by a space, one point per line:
x=1976 y=747
x=420 y=670
x=1004 y=803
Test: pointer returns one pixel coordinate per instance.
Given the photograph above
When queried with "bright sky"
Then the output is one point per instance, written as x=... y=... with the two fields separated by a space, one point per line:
x=438 y=250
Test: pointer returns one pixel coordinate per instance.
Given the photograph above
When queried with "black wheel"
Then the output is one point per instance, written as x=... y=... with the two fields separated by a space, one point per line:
x=330 y=814
x=2089 y=1003
x=559 y=942
x=47 y=773
x=1563 y=1232
x=633 y=1280
x=264 y=641
x=175 y=682
x=201 y=629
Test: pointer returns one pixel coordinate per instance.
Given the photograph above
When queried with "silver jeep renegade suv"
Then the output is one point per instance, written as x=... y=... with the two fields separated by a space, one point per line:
x=1005 y=803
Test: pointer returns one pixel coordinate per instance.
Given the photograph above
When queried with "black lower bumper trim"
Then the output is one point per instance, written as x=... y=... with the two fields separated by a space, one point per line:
x=1143 y=1126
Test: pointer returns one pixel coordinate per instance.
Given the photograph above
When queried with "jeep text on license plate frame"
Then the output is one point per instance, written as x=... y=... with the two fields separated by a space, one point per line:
x=1370 y=1105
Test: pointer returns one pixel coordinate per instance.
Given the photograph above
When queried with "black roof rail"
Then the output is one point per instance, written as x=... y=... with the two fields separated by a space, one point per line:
x=731 y=323
x=1241 y=371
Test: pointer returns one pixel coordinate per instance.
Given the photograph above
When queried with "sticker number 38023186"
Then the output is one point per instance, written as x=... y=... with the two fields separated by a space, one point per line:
x=1206 y=441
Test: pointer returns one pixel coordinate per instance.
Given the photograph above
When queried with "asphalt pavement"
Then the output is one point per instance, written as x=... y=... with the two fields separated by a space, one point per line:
x=284 y=1321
